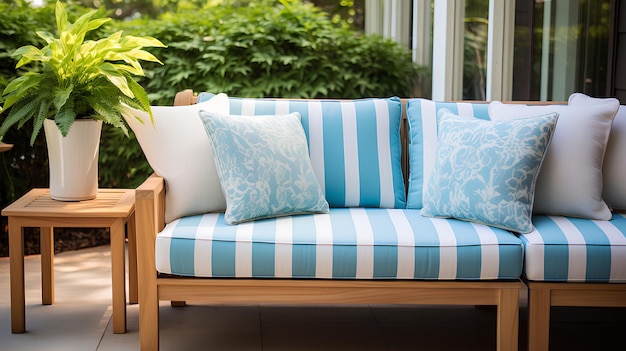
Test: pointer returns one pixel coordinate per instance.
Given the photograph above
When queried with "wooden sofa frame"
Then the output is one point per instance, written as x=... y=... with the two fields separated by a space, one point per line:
x=544 y=295
x=153 y=287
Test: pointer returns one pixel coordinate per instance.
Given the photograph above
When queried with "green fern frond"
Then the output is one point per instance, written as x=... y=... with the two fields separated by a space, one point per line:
x=44 y=110
x=65 y=117
x=22 y=110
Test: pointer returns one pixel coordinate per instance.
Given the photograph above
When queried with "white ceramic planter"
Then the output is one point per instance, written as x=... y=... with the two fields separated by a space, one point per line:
x=73 y=160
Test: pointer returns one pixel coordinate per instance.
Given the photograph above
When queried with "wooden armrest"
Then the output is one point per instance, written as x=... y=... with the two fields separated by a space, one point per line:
x=150 y=201
x=149 y=219
x=185 y=98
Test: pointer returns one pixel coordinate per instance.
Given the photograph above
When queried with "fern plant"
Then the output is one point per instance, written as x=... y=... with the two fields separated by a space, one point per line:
x=77 y=78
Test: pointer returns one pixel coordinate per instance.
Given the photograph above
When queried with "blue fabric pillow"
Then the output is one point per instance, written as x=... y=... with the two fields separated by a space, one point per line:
x=486 y=171
x=263 y=165
x=354 y=145
x=422 y=120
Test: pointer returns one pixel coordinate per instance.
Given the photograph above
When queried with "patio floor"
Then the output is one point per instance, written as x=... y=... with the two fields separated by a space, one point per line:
x=80 y=319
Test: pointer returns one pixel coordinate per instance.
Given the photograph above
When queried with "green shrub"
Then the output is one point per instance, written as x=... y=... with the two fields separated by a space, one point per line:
x=242 y=48
x=260 y=49
x=256 y=49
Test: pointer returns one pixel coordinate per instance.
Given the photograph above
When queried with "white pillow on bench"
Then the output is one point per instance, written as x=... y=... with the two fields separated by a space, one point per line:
x=614 y=168
x=178 y=150
x=570 y=181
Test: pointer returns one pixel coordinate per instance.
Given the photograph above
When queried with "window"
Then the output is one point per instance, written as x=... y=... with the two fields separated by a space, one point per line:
x=561 y=47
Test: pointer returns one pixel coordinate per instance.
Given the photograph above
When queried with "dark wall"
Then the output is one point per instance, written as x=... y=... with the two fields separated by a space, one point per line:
x=619 y=63
x=523 y=51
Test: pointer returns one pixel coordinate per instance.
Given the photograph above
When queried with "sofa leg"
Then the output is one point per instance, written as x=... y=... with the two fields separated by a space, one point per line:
x=149 y=324
x=178 y=303
x=508 y=320
x=538 y=319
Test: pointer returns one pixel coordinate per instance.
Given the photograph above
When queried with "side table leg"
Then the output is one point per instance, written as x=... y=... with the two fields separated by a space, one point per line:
x=133 y=296
x=16 y=261
x=47 y=265
x=118 y=256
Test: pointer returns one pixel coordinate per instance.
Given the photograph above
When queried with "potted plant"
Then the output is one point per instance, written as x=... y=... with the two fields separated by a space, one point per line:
x=80 y=84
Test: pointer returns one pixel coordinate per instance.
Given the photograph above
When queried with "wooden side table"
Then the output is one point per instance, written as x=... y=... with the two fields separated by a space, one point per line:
x=112 y=208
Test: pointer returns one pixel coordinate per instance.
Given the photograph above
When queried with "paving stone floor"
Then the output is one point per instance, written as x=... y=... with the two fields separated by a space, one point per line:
x=80 y=319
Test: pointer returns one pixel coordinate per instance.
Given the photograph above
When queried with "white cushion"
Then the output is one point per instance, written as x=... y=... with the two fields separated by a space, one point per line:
x=570 y=181
x=614 y=169
x=178 y=150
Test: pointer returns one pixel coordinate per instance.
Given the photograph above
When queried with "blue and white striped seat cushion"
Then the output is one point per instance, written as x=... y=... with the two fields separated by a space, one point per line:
x=354 y=145
x=422 y=118
x=355 y=243
x=576 y=250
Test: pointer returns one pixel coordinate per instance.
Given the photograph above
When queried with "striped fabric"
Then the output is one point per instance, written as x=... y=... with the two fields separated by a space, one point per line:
x=354 y=146
x=422 y=118
x=355 y=243
x=576 y=250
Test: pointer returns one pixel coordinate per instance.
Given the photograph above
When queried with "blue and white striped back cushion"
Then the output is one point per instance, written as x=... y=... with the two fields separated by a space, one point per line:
x=347 y=243
x=422 y=118
x=576 y=250
x=354 y=145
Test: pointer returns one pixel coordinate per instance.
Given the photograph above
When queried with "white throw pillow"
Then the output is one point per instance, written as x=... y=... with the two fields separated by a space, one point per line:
x=614 y=169
x=176 y=148
x=570 y=181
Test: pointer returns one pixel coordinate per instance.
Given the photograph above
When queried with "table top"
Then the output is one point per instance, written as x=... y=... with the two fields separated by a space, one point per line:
x=108 y=203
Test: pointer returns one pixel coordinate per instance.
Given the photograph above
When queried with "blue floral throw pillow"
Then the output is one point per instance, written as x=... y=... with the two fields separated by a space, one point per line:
x=263 y=165
x=485 y=171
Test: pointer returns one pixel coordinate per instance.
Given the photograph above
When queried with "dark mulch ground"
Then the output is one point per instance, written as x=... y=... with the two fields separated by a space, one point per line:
x=65 y=239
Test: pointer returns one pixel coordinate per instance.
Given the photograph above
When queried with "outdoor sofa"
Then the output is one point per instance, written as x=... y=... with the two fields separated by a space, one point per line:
x=376 y=243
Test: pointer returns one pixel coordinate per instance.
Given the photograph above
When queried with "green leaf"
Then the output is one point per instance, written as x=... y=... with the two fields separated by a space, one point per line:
x=61 y=97
x=117 y=78
x=22 y=83
x=44 y=109
x=61 y=16
x=65 y=117
x=49 y=38
x=141 y=98
x=133 y=41
x=23 y=109
x=28 y=54
x=96 y=23
x=20 y=86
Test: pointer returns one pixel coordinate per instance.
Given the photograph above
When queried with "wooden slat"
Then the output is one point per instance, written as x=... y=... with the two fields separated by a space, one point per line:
x=5 y=147
x=47 y=265
x=544 y=295
x=539 y=319
x=508 y=319
x=149 y=219
x=16 y=264
x=598 y=297
x=333 y=291
x=108 y=203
